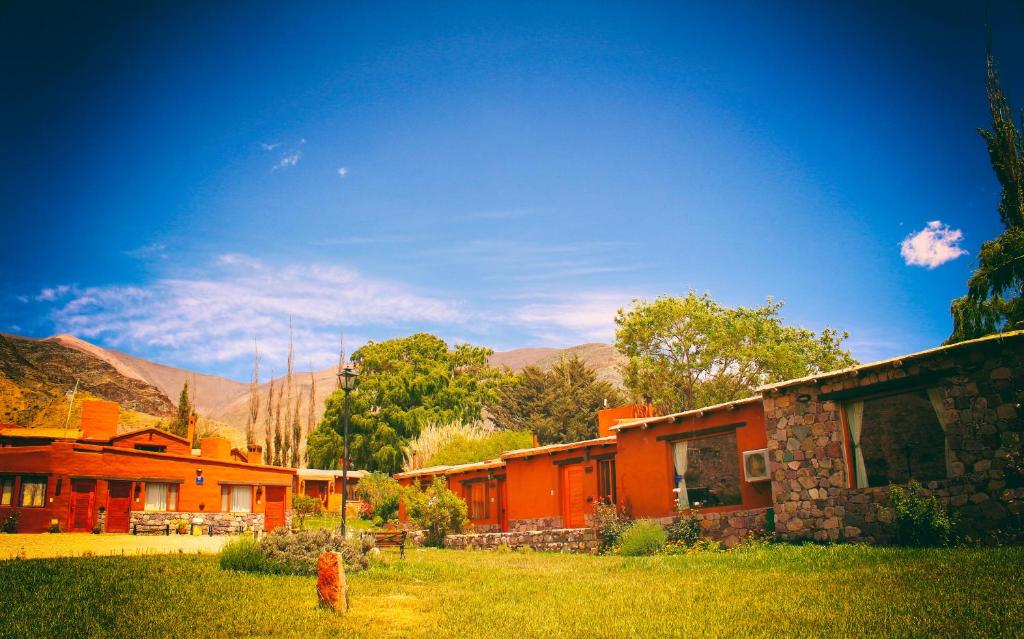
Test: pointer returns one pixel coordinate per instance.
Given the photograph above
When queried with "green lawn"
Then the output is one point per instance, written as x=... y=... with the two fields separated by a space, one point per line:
x=807 y=591
x=333 y=521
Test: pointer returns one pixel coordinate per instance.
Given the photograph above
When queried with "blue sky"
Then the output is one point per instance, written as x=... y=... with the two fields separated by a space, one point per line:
x=178 y=179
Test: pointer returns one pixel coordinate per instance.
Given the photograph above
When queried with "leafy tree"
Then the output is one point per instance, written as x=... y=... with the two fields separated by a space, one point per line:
x=304 y=506
x=994 y=298
x=404 y=384
x=324 y=447
x=180 y=424
x=559 y=405
x=436 y=510
x=466 y=450
x=687 y=352
x=382 y=492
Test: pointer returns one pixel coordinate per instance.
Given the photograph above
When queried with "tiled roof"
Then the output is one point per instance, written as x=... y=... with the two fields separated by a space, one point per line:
x=696 y=412
x=555 y=448
x=42 y=433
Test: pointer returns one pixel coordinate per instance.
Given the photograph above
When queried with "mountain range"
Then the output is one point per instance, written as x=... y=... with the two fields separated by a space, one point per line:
x=36 y=376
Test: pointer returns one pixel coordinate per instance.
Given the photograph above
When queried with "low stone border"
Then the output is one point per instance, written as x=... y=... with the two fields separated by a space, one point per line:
x=156 y=523
x=579 y=540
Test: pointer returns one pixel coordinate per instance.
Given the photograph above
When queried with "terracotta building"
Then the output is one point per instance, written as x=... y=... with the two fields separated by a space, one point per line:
x=481 y=485
x=326 y=485
x=93 y=478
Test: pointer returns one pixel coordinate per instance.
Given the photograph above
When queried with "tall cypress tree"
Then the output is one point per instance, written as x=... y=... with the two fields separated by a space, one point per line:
x=180 y=424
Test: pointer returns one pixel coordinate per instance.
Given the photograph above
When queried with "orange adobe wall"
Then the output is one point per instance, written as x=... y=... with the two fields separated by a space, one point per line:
x=491 y=487
x=646 y=473
x=537 y=495
x=607 y=417
x=99 y=419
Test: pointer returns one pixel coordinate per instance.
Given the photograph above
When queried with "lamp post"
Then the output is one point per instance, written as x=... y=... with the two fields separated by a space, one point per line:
x=348 y=383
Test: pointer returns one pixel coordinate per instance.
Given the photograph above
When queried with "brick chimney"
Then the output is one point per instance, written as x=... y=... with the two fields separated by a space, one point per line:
x=255 y=454
x=99 y=419
x=215 y=448
x=191 y=434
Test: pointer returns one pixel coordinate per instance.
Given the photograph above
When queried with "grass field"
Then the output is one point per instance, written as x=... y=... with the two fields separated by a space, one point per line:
x=841 y=591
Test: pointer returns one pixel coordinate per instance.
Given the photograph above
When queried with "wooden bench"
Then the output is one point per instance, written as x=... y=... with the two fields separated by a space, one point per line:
x=389 y=539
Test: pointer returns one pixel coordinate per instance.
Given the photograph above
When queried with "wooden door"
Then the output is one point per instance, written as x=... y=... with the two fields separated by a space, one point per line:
x=502 y=505
x=119 y=506
x=273 y=516
x=83 y=494
x=573 y=497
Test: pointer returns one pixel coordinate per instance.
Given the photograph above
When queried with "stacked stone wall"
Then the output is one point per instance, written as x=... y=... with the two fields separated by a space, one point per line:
x=537 y=523
x=578 y=540
x=157 y=523
x=983 y=388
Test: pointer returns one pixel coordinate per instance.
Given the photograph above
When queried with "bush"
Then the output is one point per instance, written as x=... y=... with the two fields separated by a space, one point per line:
x=920 y=521
x=11 y=523
x=382 y=492
x=437 y=510
x=287 y=553
x=610 y=523
x=685 y=531
x=54 y=527
x=643 y=537
x=304 y=506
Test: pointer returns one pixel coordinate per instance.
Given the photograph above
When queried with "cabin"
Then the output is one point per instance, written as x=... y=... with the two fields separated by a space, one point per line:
x=326 y=486
x=483 y=487
x=146 y=482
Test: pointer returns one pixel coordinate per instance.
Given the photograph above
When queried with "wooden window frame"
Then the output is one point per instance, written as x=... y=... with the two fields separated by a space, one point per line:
x=606 y=474
x=4 y=479
x=484 y=503
x=226 y=491
x=172 y=489
x=21 y=490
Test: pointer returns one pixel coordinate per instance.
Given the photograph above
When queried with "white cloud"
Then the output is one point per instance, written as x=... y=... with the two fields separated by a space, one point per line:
x=566 y=320
x=342 y=171
x=932 y=246
x=214 y=319
x=288 y=160
x=53 y=293
x=146 y=251
x=270 y=147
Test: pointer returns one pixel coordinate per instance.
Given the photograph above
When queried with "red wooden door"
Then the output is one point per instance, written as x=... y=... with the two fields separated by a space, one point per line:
x=573 y=500
x=502 y=505
x=119 y=506
x=83 y=493
x=273 y=516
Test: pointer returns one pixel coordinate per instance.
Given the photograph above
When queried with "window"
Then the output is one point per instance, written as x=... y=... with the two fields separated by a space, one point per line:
x=6 y=491
x=161 y=496
x=33 y=492
x=898 y=437
x=152 y=448
x=236 y=499
x=478 y=500
x=606 y=481
x=707 y=472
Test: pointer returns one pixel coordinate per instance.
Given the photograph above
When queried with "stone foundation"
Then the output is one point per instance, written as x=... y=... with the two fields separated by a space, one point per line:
x=579 y=540
x=157 y=523
x=537 y=523
x=731 y=527
x=486 y=528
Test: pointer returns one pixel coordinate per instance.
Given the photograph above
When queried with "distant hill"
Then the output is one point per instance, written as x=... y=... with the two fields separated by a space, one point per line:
x=36 y=373
x=603 y=358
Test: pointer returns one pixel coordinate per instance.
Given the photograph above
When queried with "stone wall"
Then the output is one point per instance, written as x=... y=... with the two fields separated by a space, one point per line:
x=156 y=523
x=580 y=540
x=731 y=527
x=538 y=523
x=981 y=384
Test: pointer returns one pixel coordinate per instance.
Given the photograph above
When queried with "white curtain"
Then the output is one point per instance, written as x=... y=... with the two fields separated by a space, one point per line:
x=156 y=496
x=855 y=421
x=935 y=395
x=241 y=499
x=679 y=457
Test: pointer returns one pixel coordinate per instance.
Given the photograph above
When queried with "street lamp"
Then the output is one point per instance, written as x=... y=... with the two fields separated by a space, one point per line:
x=347 y=377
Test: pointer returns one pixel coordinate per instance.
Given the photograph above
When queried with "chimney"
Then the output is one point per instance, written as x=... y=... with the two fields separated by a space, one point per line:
x=215 y=448
x=255 y=454
x=536 y=442
x=191 y=435
x=99 y=419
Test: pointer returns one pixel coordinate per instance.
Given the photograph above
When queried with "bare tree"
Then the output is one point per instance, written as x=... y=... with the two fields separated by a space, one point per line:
x=341 y=360
x=286 y=450
x=268 y=450
x=279 y=450
x=254 y=397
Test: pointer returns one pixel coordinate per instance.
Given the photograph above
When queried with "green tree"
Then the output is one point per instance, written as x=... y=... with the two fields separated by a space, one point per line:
x=466 y=450
x=559 y=405
x=404 y=384
x=324 y=447
x=688 y=352
x=994 y=299
x=436 y=510
x=180 y=424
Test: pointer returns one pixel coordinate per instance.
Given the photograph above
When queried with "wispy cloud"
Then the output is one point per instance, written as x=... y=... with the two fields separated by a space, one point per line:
x=342 y=171
x=292 y=153
x=270 y=147
x=571 y=318
x=214 y=319
x=148 y=251
x=932 y=246
x=53 y=293
x=289 y=160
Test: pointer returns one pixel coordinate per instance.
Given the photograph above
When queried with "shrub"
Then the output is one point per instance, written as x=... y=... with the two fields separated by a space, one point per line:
x=11 y=523
x=685 y=531
x=643 y=537
x=287 y=553
x=436 y=510
x=54 y=527
x=610 y=523
x=920 y=520
x=382 y=492
x=304 y=506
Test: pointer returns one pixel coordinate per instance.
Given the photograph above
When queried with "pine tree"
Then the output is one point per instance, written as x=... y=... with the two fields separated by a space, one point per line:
x=180 y=424
x=994 y=300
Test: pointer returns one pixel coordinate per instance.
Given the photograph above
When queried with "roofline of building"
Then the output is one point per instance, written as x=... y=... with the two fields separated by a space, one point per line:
x=897 y=361
x=557 y=448
x=466 y=468
x=190 y=458
x=677 y=417
x=421 y=472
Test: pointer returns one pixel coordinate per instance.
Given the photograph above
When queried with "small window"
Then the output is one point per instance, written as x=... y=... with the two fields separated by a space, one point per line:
x=6 y=491
x=478 y=500
x=236 y=499
x=606 y=481
x=33 y=492
x=161 y=496
x=152 y=448
x=898 y=437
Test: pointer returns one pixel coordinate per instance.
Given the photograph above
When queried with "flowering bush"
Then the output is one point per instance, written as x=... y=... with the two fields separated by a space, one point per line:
x=283 y=552
x=610 y=523
x=436 y=510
